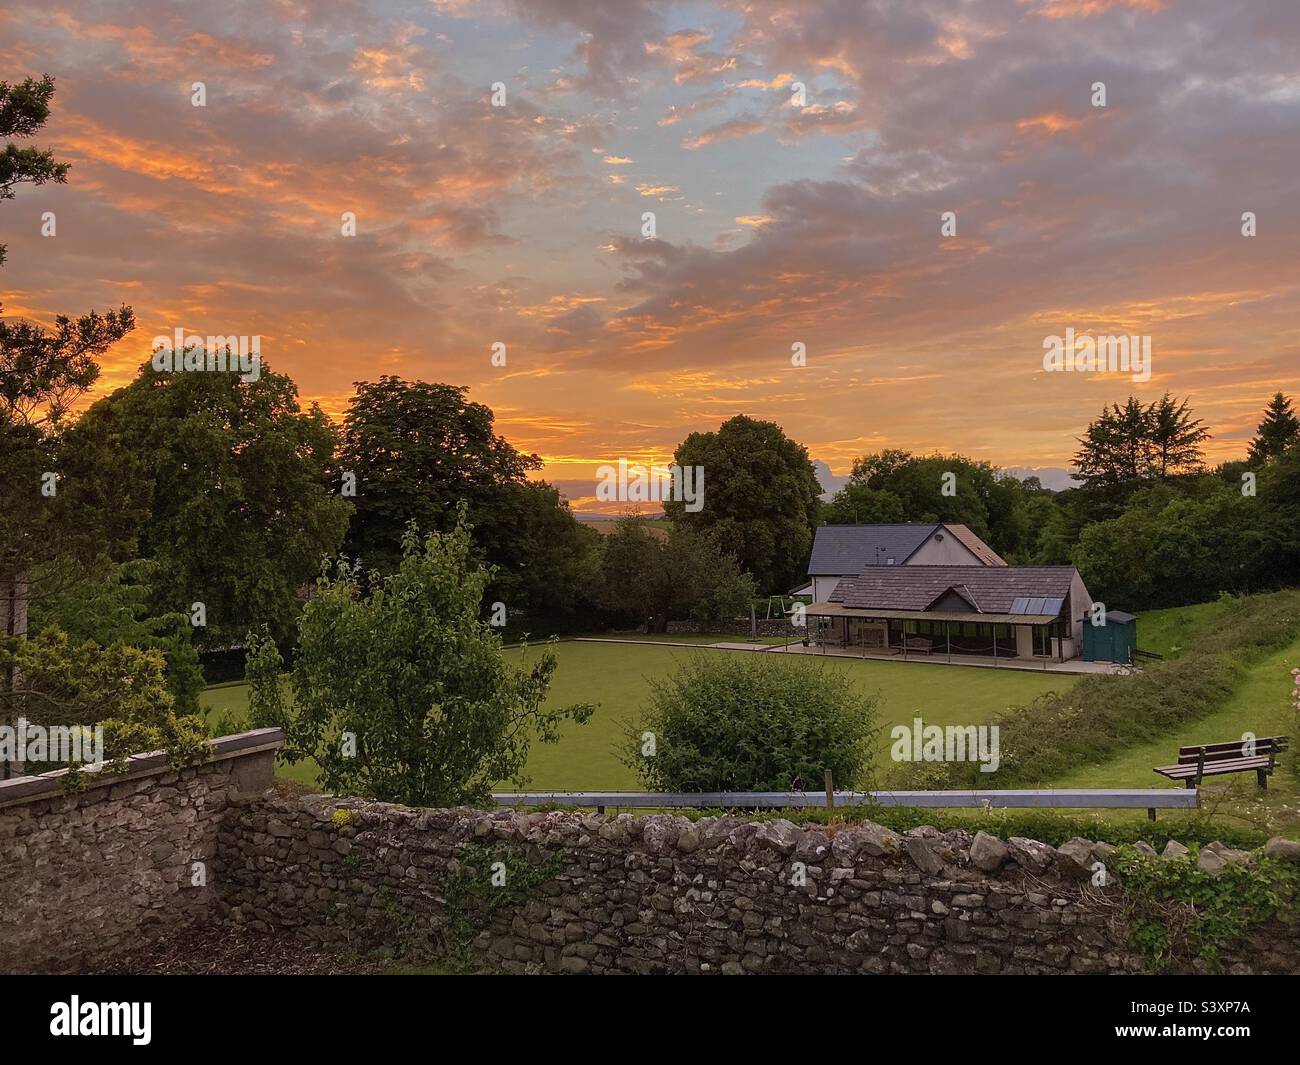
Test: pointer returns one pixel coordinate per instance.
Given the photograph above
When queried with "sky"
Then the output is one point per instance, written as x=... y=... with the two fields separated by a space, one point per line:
x=798 y=158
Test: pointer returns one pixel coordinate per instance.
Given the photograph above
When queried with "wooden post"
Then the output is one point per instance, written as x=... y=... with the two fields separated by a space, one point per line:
x=753 y=622
x=830 y=791
x=947 y=639
x=994 y=629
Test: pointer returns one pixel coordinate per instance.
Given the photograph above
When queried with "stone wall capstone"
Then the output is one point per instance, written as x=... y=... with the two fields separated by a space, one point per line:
x=663 y=894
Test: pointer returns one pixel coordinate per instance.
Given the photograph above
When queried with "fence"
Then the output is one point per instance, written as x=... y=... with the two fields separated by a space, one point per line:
x=1149 y=799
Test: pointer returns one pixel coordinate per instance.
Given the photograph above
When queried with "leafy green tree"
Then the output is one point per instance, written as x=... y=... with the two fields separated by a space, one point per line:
x=630 y=584
x=403 y=693
x=1278 y=430
x=236 y=482
x=417 y=450
x=1278 y=503
x=859 y=504
x=686 y=575
x=895 y=485
x=1171 y=548
x=749 y=722
x=544 y=560
x=760 y=498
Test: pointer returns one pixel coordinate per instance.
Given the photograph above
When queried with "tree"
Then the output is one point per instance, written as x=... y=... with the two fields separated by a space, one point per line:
x=403 y=694
x=1279 y=520
x=859 y=504
x=649 y=580
x=417 y=450
x=748 y=722
x=1277 y=431
x=760 y=498
x=110 y=605
x=895 y=485
x=41 y=373
x=1176 y=438
x=118 y=687
x=1171 y=548
x=1128 y=445
x=235 y=480
x=24 y=109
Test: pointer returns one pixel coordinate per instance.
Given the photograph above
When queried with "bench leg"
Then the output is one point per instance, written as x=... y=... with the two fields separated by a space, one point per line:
x=1151 y=813
x=1190 y=782
x=1261 y=778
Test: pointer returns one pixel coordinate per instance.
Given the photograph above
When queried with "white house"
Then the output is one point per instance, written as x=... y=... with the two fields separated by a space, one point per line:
x=846 y=550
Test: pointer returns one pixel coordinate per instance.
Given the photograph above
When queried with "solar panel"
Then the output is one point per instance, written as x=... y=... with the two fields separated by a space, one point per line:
x=1036 y=604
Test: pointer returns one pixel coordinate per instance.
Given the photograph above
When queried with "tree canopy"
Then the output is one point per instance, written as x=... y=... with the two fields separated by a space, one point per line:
x=238 y=485
x=761 y=498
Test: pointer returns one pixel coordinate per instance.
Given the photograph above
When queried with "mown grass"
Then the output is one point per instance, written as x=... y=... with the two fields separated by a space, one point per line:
x=617 y=676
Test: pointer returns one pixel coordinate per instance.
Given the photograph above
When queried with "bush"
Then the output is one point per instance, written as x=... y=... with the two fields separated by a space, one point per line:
x=747 y=722
x=403 y=694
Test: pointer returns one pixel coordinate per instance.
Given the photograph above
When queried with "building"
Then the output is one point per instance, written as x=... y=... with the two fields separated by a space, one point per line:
x=841 y=551
x=991 y=610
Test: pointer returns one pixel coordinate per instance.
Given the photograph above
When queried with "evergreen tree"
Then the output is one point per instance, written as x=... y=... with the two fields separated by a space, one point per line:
x=1278 y=430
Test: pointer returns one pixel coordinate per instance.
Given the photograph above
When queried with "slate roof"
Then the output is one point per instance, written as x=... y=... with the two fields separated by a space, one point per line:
x=843 y=549
x=975 y=545
x=992 y=589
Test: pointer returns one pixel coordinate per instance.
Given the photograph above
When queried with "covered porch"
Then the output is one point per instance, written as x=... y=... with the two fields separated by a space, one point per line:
x=1024 y=639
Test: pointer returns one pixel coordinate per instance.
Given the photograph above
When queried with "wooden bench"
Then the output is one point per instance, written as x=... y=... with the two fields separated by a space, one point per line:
x=913 y=642
x=1203 y=760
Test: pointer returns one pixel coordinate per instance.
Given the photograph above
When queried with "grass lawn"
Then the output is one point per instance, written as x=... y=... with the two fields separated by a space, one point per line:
x=687 y=637
x=1166 y=631
x=617 y=677
x=1261 y=705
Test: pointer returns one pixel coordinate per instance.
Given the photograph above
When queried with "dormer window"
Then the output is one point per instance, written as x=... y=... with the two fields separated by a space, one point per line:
x=889 y=562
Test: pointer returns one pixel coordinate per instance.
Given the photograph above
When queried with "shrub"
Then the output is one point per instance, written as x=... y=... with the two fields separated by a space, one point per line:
x=404 y=694
x=747 y=722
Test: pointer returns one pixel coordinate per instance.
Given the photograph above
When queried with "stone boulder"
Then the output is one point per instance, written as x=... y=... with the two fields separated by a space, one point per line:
x=1286 y=850
x=1030 y=854
x=988 y=853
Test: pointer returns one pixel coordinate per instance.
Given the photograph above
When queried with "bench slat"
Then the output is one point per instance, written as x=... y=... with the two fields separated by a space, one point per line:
x=1214 y=768
x=1263 y=745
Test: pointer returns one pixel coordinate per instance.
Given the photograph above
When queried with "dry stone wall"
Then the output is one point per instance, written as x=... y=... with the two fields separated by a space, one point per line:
x=662 y=894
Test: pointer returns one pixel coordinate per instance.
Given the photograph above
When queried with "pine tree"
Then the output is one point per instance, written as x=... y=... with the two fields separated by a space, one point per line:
x=1278 y=430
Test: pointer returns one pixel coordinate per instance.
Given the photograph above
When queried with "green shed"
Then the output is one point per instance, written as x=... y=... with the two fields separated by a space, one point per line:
x=1115 y=641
